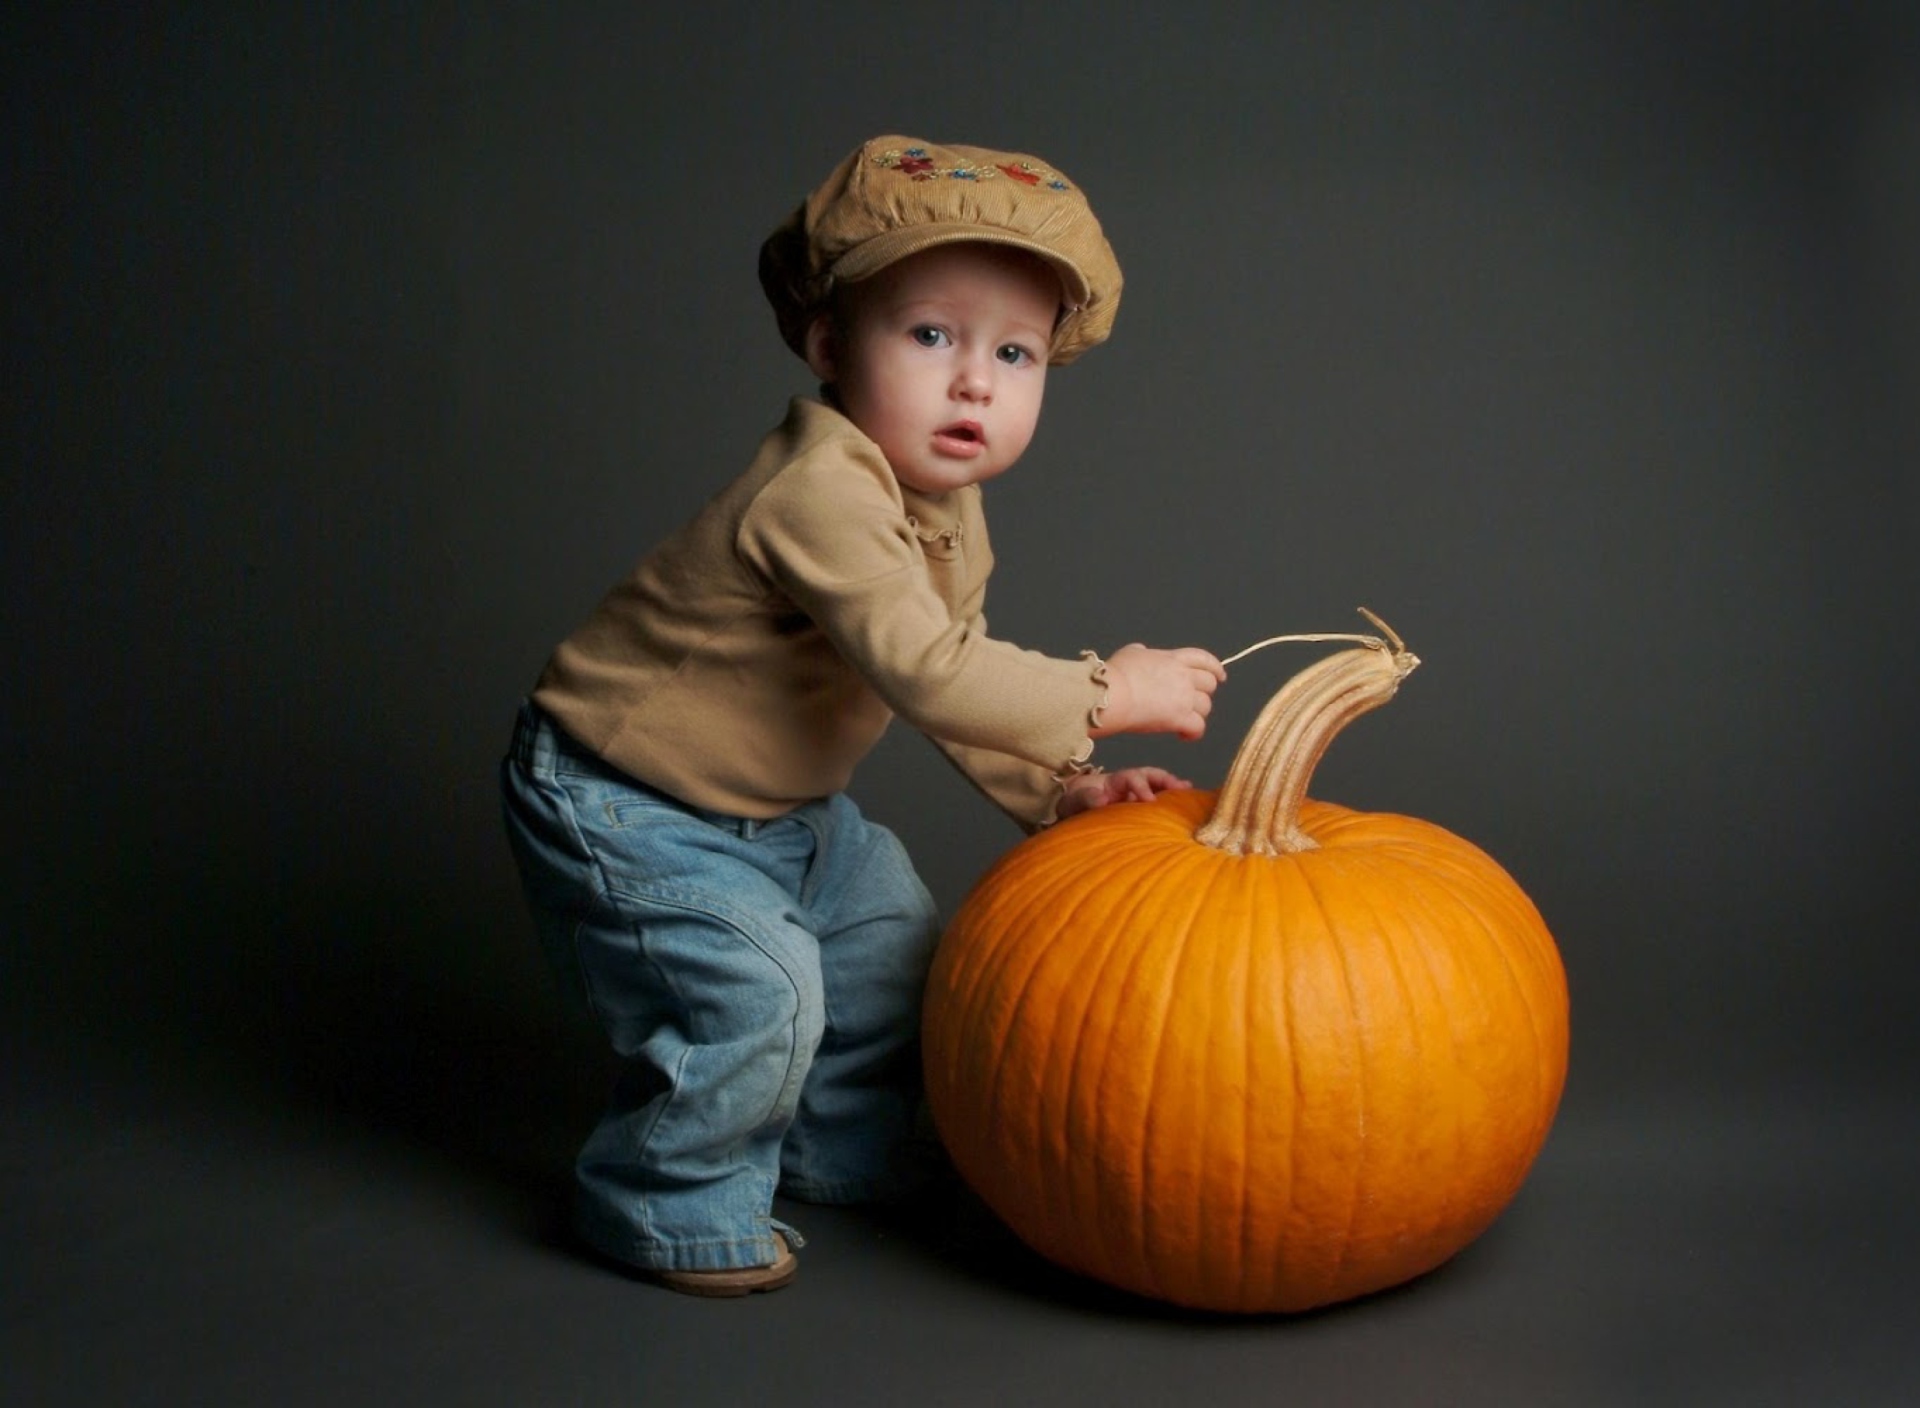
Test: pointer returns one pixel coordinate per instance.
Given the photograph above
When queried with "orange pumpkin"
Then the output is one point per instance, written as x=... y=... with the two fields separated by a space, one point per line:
x=1249 y=1052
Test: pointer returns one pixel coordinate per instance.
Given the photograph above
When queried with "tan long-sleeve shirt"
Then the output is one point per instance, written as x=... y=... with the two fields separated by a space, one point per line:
x=755 y=657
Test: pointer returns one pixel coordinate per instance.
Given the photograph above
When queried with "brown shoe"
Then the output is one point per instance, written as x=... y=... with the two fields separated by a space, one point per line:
x=735 y=1281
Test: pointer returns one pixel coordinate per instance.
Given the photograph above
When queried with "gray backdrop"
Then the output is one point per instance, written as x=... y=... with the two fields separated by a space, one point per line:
x=354 y=350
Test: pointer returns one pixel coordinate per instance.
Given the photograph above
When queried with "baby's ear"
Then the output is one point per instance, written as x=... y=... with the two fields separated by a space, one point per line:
x=823 y=348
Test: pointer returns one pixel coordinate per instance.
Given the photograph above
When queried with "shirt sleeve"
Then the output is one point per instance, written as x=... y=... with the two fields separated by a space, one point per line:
x=1029 y=794
x=831 y=533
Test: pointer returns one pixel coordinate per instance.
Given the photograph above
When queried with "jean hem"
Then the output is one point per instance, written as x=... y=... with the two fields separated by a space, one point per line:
x=620 y=1243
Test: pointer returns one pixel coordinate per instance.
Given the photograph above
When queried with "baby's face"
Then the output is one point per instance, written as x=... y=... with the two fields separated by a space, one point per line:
x=942 y=360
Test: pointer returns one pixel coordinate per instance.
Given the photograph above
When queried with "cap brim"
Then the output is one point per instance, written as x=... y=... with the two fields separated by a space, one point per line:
x=869 y=257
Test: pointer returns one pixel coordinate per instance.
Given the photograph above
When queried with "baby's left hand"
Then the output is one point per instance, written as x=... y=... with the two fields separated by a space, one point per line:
x=1096 y=789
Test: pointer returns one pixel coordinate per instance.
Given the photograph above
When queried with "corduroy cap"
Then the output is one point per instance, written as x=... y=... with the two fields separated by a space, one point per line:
x=896 y=196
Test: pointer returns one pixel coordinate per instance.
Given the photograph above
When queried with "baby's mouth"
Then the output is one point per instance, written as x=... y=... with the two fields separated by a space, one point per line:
x=963 y=437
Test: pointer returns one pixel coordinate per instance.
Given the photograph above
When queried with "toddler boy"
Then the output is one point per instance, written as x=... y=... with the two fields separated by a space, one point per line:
x=676 y=789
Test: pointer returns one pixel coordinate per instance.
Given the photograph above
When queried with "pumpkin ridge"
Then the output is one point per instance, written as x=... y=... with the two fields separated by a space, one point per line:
x=1361 y=1065
x=1452 y=1033
x=1489 y=886
x=964 y=973
x=1547 y=1085
x=1540 y=960
x=1457 y=864
x=1396 y=933
x=1031 y=879
x=1143 y=1076
x=1091 y=896
x=1092 y=904
x=1156 y=1261
x=1036 y=880
x=1215 y=961
x=1271 y=995
x=1141 y=882
x=1248 y=1057
x=1010 y=969
x=1124 y=890
x=980 y=979
x=1303 y=1103
x=1266 y=1109
x=1226 y=881
x=1466 y=909
x=1290 y=1026
x=1246 y=958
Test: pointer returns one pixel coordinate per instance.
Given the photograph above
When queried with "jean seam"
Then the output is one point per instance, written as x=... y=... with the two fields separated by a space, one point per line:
x=663 y=896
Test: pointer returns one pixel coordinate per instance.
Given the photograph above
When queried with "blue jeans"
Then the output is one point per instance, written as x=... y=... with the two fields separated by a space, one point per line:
x=760 y=982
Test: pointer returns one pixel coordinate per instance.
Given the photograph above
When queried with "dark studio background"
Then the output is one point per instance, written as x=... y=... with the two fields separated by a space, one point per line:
x=353 y=350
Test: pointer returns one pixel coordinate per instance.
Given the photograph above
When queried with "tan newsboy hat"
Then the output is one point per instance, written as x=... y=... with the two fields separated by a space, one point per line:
x=896 y=196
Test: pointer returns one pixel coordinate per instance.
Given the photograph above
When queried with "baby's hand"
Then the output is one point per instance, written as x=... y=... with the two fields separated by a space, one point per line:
x=1160 y=691
x=1096 y=789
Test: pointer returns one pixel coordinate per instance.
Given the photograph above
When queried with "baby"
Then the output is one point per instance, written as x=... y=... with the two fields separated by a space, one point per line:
x=676 y=788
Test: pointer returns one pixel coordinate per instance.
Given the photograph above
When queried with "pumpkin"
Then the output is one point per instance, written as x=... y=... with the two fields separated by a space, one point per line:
x=1247 y=1051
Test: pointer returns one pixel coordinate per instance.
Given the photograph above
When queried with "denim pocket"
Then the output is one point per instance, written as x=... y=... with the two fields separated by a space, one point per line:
x=630 y=807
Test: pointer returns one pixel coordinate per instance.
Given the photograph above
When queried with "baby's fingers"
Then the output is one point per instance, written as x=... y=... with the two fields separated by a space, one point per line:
x=1204 y=661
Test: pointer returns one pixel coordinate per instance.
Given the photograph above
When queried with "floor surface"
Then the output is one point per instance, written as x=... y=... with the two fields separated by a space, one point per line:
x=270 y=1222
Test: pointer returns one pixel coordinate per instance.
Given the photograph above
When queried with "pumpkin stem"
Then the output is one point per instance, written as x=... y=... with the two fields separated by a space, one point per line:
x=1375 y=641
x=1258 y=809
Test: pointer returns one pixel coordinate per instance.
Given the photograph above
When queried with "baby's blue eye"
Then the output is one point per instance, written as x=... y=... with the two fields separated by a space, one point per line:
x=1014 y=356
x=928 y=336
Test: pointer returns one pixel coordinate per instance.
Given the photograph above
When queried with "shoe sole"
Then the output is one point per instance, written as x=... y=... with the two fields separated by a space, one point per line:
x=741 y=1281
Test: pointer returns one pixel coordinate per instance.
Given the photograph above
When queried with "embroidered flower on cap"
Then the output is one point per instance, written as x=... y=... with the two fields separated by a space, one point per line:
x=915 y=163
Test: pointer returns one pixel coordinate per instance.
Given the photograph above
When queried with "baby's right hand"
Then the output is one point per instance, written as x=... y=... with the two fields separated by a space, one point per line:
x=1160 y=691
